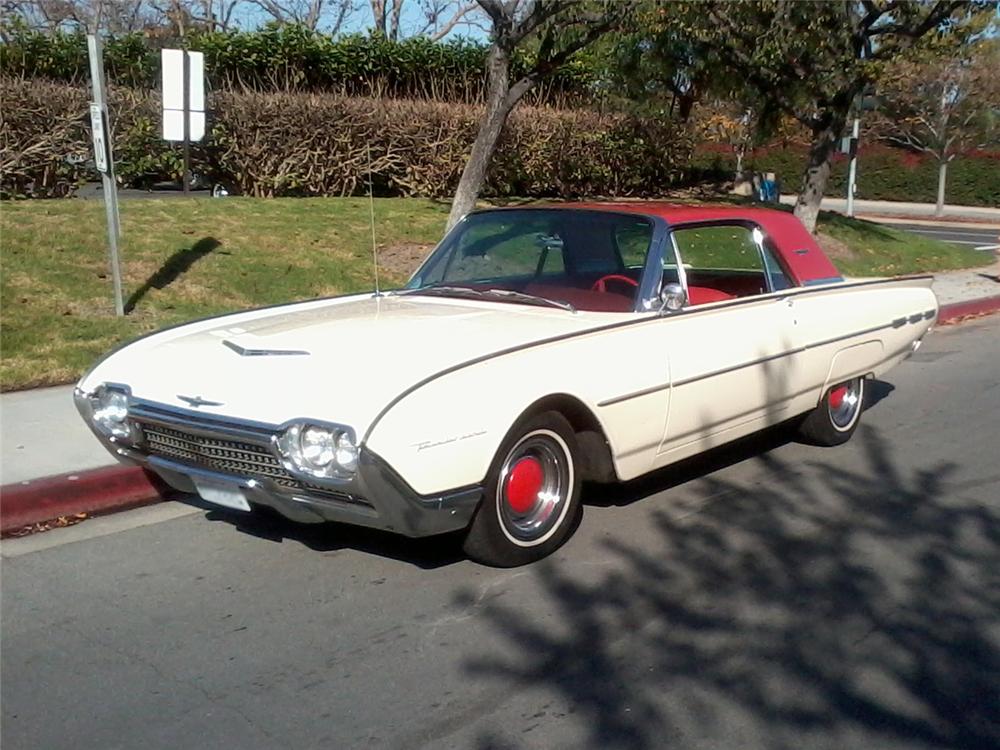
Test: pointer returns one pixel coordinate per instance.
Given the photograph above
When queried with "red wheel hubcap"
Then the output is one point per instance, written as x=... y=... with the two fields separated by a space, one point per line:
x=523 y=483
x=837 y=396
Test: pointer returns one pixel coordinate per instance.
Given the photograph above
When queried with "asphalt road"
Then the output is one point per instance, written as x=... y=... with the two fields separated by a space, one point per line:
x=969 y=235
x=775 y=596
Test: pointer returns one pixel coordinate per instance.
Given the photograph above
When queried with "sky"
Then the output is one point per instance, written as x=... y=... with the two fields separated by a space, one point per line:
x=249 y=16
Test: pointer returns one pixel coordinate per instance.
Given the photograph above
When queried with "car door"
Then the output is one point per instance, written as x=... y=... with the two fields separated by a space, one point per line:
x=732 y=346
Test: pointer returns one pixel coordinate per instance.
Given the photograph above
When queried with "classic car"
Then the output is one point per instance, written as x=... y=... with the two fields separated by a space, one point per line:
x=534 y=349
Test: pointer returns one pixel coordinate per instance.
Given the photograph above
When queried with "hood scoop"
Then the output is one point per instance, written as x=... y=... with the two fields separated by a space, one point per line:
x=247 y=352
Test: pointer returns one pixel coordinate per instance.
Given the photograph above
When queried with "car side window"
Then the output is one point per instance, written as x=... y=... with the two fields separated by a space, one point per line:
x=775 y=273
x=632 y=243
x=721 y=261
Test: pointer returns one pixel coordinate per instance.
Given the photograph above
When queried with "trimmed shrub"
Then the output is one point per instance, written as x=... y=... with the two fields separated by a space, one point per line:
x=311 y=144
x=291 y=58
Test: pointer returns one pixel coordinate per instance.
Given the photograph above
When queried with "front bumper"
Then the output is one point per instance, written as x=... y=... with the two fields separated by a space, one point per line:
x=376 y=496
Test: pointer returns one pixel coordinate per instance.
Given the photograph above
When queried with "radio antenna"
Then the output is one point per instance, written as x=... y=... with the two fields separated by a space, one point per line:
x=371 y=210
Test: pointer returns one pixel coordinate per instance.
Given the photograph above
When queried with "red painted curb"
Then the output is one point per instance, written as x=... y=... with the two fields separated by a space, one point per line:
x=102 y=490
x=951 y=313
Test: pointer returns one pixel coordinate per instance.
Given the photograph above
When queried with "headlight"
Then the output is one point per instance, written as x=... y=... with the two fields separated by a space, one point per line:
x=318 y=450
x=110 y=412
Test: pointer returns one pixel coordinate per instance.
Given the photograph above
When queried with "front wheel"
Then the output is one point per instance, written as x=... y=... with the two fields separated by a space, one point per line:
x=531 y=505
x=837 y=416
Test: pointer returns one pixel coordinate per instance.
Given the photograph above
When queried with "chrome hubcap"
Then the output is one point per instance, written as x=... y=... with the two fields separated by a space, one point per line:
x=535 y=483
x=844 y=403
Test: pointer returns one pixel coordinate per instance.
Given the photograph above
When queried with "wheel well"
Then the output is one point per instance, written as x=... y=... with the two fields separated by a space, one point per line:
x=596 y=462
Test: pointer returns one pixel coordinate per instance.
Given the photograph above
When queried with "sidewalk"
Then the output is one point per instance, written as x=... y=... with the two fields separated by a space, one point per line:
x=866 y=208
x=42 y=436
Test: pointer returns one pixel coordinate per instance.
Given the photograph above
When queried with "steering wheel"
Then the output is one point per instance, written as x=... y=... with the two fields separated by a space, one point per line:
x=599 y=285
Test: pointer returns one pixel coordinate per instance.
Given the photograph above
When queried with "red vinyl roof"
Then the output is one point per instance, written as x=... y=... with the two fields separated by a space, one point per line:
x=798 y=249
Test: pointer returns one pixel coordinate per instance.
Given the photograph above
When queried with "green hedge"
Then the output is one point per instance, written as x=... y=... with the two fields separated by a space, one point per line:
x=271 y=144
x=287 y=58
x=884 y=173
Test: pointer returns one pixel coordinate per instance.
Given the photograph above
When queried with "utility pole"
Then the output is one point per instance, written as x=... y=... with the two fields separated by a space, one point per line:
x=103 y=159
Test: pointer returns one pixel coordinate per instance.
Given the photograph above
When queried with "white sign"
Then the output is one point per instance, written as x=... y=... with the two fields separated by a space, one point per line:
x=97 y=129
x=172 y=70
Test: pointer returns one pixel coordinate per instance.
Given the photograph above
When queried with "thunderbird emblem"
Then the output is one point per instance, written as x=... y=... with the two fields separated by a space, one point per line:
x=197 y=401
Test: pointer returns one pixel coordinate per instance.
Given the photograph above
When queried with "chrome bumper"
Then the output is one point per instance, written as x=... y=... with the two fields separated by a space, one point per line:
x=376 y=496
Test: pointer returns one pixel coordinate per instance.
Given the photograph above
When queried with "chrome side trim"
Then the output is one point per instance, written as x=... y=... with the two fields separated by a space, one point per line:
x=635 y=394
x=734 y=368
x=761 y=360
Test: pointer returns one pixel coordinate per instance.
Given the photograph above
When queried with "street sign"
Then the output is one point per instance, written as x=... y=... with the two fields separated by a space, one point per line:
x=172 y=69
x=98 y=131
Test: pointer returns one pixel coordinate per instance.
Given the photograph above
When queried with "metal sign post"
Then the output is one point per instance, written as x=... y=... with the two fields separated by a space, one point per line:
x=104 y=161
x=187 y=121
x=852 y=171
x=183 y=101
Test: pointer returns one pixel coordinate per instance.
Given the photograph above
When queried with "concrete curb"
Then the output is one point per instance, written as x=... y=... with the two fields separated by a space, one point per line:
x=104 y=490
x=115 y=488
x=982 y=306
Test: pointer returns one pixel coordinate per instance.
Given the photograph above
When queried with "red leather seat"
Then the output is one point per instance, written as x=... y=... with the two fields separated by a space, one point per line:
x=702 y=295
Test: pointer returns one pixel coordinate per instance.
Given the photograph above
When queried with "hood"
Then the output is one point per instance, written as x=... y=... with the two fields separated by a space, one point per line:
x=340 y=360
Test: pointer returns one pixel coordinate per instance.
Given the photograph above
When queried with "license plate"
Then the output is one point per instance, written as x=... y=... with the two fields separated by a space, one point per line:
x=226 y=495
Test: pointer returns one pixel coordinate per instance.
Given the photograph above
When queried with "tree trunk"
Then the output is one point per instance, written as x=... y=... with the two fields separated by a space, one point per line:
x=824 y=144
x=942 y=179
x=499 y=103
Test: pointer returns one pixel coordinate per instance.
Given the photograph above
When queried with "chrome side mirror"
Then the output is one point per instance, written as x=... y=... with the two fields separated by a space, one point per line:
x=672 y=298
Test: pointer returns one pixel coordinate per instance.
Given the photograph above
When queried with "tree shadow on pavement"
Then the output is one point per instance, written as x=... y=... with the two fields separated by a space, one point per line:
x=174 y=267
x=836 y=605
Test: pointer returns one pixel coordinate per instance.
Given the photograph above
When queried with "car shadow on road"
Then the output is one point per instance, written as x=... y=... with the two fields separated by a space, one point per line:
x=841 y=604
x=266 y=524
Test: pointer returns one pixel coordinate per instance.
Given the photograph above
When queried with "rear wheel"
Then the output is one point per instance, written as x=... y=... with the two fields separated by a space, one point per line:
x=837 y=416
x=532 y=500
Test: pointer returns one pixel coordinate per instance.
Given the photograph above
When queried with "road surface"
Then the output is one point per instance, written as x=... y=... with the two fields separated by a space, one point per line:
x=987 y=240
x=864 y=207
x=775 y=596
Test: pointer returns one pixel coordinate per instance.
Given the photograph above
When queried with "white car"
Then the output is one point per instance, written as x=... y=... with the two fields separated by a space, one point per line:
x=533 y=349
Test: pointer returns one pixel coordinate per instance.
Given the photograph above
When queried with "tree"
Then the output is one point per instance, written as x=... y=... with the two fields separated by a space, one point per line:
x=310 y=14
x=942 y=106
x=813 y=60
x=560 y=29
x=440 y=17
x=115 y=16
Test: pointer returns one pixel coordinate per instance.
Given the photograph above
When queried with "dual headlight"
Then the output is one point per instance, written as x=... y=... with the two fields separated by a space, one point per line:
x=319 y=451
x=109 y=412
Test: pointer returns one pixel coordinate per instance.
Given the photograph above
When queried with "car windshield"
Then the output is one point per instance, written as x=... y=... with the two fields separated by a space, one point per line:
x=585 y=260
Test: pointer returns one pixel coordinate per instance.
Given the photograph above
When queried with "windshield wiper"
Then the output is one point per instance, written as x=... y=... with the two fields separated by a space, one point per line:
x=464 y=291
x=528 y=299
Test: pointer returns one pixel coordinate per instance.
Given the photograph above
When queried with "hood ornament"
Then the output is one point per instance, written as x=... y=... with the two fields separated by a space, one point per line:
x=245 y=352
x=197 y=401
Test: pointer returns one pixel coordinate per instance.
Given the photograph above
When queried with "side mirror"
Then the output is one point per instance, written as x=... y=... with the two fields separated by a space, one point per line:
x=672 y=298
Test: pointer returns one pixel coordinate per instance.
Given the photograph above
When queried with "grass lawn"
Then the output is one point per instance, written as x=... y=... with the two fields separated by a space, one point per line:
x=189 y=258
x=869 y=249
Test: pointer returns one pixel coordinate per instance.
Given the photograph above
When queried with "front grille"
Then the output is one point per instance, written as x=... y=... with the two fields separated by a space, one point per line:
x=241 y=459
